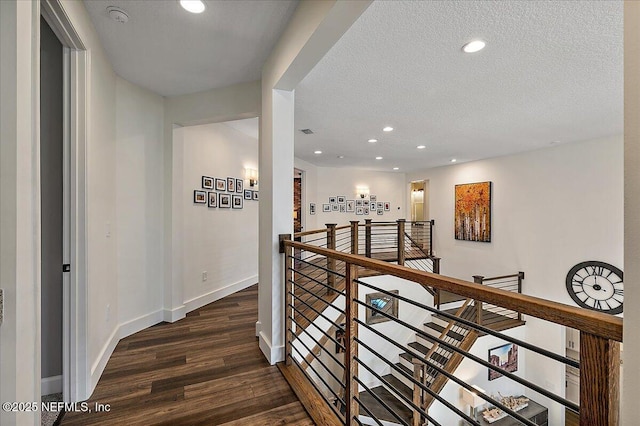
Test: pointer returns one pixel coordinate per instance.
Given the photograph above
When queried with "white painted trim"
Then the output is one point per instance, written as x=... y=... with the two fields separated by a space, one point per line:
x=138 y=324
x=205 y=299
x=272 y=353
x=258 y=328
x=49 y=385
x=175 y=314
x=103 y=358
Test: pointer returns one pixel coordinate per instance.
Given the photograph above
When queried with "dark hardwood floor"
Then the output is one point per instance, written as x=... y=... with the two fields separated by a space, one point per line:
x=206 y=369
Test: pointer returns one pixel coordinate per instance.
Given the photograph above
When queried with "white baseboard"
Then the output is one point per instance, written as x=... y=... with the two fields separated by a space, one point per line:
x=49 y=385
x=175 y=314
x=272 y=353
x=212 y=296
x=138 y=324
x=98 y=366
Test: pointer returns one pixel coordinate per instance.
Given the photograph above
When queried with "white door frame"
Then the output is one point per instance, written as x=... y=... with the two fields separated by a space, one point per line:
x=75 y=370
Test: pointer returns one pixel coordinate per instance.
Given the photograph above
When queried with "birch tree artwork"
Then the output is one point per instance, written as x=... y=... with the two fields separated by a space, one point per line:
x=473 y=212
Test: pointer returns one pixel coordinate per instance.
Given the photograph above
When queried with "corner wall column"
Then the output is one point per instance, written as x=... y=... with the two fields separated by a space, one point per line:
x=276 y=205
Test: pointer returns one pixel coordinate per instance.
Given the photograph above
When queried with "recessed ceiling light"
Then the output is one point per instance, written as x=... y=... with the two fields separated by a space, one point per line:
x=421 y=147
x=378 y=158
x=340 y=156
x=193 y=6
x=473 y=46
x=387 y=129
x=396 y=168
x=317 y=152
x=372 y=140
x=453 y=160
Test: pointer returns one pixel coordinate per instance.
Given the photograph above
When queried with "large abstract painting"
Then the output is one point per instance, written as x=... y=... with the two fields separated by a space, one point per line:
x=473 y=212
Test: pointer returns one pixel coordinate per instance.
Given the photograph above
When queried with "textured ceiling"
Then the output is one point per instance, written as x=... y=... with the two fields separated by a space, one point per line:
x=173 y=52
x=552 y=72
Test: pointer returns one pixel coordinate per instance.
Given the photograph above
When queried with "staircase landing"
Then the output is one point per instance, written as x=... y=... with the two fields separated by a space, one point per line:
x=491 y=320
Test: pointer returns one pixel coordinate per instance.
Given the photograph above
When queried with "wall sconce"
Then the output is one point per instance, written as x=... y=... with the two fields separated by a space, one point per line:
x=252 y=176
x=362 y=191
x=472 y=399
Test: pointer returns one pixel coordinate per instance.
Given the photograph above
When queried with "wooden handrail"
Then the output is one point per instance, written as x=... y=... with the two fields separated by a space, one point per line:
x=503 y=277
x=595 y=323
x=305 y=233
x=342 y=227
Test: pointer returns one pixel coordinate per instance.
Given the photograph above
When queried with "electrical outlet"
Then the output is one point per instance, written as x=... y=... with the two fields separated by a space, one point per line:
x=204 y=276
x=1 y=305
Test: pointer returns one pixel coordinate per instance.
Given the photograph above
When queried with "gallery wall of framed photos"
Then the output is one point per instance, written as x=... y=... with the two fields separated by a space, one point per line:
x=217 y=208
x=329 y=185
x=223 y=193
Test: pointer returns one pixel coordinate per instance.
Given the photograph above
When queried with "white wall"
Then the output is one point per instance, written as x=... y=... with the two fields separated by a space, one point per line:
x=213 y=106
x=19 y=209
x=551 y=209
x=631 y=210
x=320 y=183
x=139 y=194
x=222 y=242
x=473 y=373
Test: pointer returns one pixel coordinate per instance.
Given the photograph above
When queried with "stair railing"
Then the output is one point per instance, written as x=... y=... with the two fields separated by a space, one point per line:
x=511 y=283
x=346 y=381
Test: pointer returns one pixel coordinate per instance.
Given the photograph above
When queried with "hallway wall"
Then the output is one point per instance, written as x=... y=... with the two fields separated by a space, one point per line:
x=223 y=242
x=551 y=209
x=139 y=194
x=320 y=183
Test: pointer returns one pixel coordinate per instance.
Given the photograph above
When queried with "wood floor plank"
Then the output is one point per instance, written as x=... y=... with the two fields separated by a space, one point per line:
x=206 y=369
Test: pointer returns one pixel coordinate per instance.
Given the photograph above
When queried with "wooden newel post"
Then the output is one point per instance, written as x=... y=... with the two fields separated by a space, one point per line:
x=288 y=298
x=351 y=350
x=478 y=280
x=418 y=367
x=401 y=253
x=520 y=278
x=367 y=237
x=331 y=262
x=431 y=223
x=354 y=236
x=599 y=380
x=436 y=265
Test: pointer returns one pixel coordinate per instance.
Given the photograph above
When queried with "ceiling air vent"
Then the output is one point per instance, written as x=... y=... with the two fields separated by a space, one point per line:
x=307 y=131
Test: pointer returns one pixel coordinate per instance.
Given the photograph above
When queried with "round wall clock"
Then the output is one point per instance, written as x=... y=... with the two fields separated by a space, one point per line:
x=597 y=286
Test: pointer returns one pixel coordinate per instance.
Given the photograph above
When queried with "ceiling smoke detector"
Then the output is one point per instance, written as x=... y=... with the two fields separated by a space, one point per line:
x=118 y=14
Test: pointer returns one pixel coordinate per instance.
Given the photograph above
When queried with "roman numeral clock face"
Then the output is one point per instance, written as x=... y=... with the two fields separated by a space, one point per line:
x=597 y=286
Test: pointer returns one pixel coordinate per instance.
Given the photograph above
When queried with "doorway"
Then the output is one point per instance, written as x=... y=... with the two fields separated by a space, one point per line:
x=297 y=201
x=51 y=204
x=419 y=201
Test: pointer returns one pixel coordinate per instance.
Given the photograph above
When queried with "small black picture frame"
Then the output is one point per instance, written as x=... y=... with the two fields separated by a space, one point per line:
x=200 y=197
x=231 y=184
x=224 y=201
x=207 y=182
x=384 y=303
x=239 y=186
x=248 y=194
x=326 y=208
x=341 y=199
x=237 y=201
x=213 y=199
x=255 y=196
x=221 y=184
x=333 y=200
